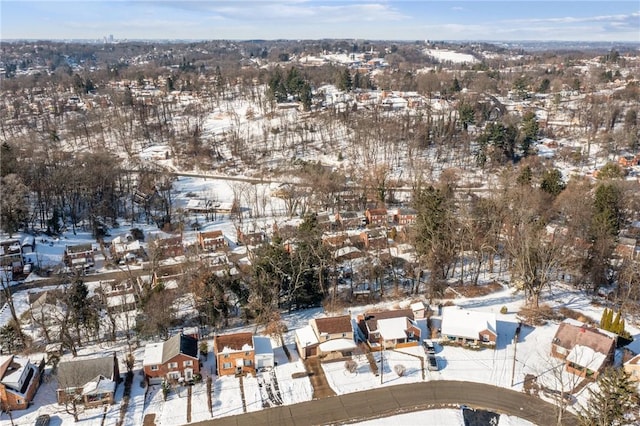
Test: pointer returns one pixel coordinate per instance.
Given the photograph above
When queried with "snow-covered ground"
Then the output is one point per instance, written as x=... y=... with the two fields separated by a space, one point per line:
x=443 y=416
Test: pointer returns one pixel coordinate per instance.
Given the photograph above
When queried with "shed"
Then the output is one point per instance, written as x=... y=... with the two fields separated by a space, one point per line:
x=264 y=352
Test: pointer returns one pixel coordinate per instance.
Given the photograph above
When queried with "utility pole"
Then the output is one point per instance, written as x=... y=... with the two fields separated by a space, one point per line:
x=381 y=364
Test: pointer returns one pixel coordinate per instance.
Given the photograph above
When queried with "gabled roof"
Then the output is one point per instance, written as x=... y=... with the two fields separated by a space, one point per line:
x=334 y=325
x=371 y=318
x=466 y=324
x=159 y=353
x=77 y=373
x=572 y=333
x=79 y=248
x=235 y=342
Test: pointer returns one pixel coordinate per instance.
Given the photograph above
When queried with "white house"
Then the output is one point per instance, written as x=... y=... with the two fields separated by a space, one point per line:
x=263 y=352
x=470 y=327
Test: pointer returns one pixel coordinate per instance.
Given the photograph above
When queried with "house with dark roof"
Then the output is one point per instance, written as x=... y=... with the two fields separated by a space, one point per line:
x=389 y=329
x=328 y=338
x=175 y=359
x=211 y=240
x=586 y=350
x=79 y=256
x=235 y=354
x=90 y=381
x=19 y=381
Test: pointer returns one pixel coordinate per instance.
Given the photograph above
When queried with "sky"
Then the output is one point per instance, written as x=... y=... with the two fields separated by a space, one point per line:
x=568 y=20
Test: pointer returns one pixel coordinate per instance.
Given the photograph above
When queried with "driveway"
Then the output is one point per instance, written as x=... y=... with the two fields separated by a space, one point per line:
x=321 y=388
x=386 y=401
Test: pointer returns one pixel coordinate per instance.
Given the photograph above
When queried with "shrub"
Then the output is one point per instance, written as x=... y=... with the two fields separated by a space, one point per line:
x=351 y=366
x=399 y=369
x=204 y=349
x=504 y=310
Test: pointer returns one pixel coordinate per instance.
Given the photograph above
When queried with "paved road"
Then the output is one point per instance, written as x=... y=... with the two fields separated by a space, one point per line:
x=386 y=401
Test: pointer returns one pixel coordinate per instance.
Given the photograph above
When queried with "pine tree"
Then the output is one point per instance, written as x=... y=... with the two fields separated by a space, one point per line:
x=613 y=402
x=603 y=319
x=615 y=325
x=609 y=322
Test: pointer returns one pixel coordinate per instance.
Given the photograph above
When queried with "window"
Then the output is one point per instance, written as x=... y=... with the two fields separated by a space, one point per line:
x=18 y=401
x=188 y=363
x=247 y=363
x=225 y=356
x=247 y=353
x=344 y=334
x=226 y=365
x=173 y=365
x=154 y=368
x=485 y=338
x=174 y=375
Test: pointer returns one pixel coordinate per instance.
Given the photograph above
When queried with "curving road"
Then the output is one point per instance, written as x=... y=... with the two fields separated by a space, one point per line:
x=390 y=400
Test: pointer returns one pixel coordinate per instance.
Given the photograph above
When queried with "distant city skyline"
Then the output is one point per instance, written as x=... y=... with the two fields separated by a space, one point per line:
x=313 y=19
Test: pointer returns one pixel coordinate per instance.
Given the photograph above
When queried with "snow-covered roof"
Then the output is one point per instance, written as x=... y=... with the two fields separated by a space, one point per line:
x=262 y=345
x=467 y=324
x=99 y=385
x=306 y=336
x=586 y=357
x=418 y=306
x=152 y=354
x=122 y=299
x=392 y=328
x=337 y=345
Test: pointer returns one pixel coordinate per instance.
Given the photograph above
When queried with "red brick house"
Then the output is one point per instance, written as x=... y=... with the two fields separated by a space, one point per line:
x=586 y=350
x=168 y=247
x=350 y=220
x=211 y=240
x=175 y=359
x=405 y=216
x=235 y=354
x=376 y=217
x=80 y=255
x=374 y=239
x=19 y=381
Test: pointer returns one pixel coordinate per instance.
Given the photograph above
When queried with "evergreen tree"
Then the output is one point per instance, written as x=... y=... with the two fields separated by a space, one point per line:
x=530 y=129
x=613 y=402
x=344 y=81
x=455 y=85
x=552 y=182
x=603 y=319
x=524 y=178
x=615 y=325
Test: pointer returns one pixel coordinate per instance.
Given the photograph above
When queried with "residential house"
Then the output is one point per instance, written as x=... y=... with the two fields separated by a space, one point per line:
x=629 y=160
x=165 y=248
x=19 y=381
x=328 y=338
x=468 y=327
x=376 y=216
x=91 y=381
x=632 y=367
x=250 y=238
x=347 y=253
x=627 y=247
x=350 y=220
x=405 y=216
x=11 y=256
x=79 y=256
x=126 y=247
x=211 y=240
x=175 y=359
x=387 y=329
x=119 y=295
x=374 y=239
x=586 y=350
x=235 y=354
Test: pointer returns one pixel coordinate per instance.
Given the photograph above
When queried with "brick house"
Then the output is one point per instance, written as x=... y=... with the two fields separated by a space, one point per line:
x=405 y=216
x=374 y=239
x=80 y=255
x=235 y=354
x=19 y=381
x=11 y=255
x=468 y=327
x=349 y=220
x=211 y=240
x=632 y=367
x=91 y=381
x=165 y=248
x=377 y=216
x=174 y=359
x=586 y=350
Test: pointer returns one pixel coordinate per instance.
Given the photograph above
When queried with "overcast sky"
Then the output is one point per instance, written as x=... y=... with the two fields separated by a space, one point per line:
x=313 y=19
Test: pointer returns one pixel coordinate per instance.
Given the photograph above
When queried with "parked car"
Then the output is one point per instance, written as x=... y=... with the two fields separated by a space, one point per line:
x=43 y=420
x=432 y=363
x=428 y=347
